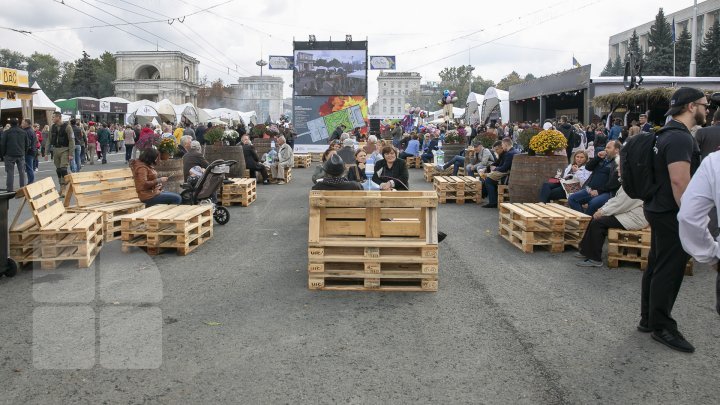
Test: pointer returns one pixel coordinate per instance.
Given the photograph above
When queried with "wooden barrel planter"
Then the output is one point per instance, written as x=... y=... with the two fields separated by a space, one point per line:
x=453 y=149
x=213 y=152
x=528 y=174
x=173 y=170
x=262 y=146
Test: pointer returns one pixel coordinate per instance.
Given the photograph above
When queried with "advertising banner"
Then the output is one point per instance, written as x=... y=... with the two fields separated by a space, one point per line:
x=330 y=72
x=14 y=77
x=382 y=63
x=281 y=63
x=317 y=117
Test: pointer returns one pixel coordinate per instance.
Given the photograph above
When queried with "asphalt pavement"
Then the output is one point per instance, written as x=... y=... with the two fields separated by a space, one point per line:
x=234 y=322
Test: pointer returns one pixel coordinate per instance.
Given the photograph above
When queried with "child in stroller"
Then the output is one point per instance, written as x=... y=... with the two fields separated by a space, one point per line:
x=203 y=189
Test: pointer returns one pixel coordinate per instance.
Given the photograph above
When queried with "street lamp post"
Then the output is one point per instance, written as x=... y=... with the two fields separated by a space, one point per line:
x=261 y=63
x=693 y=46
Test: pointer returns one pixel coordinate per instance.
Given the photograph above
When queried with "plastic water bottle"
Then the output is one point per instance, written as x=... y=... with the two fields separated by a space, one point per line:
x=369 y=171
x=439 y=155
x=272 y=155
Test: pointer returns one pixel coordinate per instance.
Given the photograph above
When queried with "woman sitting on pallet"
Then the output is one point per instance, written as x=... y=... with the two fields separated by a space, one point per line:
x=391 y=172
x=147 y=183
x=553 y=189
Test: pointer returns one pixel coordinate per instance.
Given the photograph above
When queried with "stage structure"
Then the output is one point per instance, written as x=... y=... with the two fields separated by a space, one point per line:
x=330 y=89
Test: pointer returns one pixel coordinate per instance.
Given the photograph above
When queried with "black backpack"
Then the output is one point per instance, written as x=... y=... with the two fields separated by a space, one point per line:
x=637 y=165
x=59 y=136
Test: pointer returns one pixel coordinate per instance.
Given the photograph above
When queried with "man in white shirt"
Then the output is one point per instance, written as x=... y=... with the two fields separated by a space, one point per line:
x=700 y=197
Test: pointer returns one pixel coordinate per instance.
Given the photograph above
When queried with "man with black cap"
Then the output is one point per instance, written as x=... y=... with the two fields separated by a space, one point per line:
x=676 y=158
x=334 y=180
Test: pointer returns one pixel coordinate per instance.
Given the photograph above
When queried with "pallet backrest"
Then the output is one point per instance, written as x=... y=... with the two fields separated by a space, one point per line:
x=102 y=186
x=44 y=201
x=373 y=214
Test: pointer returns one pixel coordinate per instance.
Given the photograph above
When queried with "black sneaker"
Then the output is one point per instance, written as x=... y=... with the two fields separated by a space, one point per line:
x=673 y=340
x=490 y=206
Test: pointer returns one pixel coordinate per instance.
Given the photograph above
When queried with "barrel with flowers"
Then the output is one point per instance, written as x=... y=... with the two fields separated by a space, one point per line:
x=528 y=173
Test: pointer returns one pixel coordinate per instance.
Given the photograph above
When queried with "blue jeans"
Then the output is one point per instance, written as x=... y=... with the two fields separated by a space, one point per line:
x=164 y=197
x=576 y=200
x=76 y=164
x=30 y=168
x=456 y=161
x=128 y=152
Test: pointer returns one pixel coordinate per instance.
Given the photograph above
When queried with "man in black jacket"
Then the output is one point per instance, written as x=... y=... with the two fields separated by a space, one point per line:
x=13 y=147
x=569 y=133
x=603 y=182
x=252 y=162
x=31 y=152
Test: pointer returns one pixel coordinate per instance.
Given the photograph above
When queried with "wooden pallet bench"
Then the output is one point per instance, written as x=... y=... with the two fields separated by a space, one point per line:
x=575 y=223
x=302 y=161
x=178 y=227
x=109 y=192
x=316 y=157
x=633 y=247
x=532 y=225
x=458 y=188
x=241 y=191
x=503 y=194
x=414 y=162
x=430 y=171
x=52 y=235
x=373 y=241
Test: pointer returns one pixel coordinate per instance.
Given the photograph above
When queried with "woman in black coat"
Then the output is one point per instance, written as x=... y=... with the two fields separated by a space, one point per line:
x=356 y=172
x=391 y=172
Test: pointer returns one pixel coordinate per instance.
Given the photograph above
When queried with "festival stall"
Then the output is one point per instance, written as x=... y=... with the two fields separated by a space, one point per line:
x=496 y=103
x=474 y=103
x=42 y=107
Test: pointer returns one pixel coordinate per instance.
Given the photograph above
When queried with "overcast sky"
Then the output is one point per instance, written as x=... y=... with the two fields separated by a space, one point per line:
x=538 y=37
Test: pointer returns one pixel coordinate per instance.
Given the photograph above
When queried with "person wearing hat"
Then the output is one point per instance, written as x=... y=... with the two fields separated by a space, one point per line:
x=676 y=158
x=334 y=169
x=347 y=152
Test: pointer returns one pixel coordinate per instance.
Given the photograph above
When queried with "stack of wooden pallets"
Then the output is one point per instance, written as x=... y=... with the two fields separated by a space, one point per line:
x=302 y=161
x=53 y=235
x=110 y=192
x=241 y=191
x=373 y=241
x=179 y=227
x=552 y=226
x=430 y=171
x=315 y=156
x=458 y=188
x=413 y=162
x=633 y=247
x=503 y=194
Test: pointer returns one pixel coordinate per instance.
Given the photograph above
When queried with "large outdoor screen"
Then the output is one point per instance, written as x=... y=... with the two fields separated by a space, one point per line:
x=330 y=72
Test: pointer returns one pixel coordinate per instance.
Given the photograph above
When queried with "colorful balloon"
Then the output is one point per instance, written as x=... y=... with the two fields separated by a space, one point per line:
x=446 y=93
x=453 y=94
x=454 y=99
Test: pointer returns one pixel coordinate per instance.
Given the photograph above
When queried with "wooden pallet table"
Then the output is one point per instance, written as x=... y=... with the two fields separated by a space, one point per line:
x=302 y=161
x=430 y=171
x=532 y=225
x=575 y=223
x=52 y=235
x=373 y=241
x=458 y=188
x=241 y=191
x=414 y=162
x=178 y=227
x=109 y=192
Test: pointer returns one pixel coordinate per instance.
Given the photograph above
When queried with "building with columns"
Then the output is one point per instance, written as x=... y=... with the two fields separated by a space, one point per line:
x=708 y=12
x=156 y=75
x=394 y=89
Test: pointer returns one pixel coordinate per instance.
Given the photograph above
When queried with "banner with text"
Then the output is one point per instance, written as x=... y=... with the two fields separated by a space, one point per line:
x=281 y=62
x=382 y=63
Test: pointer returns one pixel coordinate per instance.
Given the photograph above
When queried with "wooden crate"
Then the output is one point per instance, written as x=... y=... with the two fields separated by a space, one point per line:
x=316 y=156
x=458 y=188
x=54 y=235
x=414 y=162
x=241 y=191
x=302 y=161
x=633 y=247
x=179 y=227
x=531 y=225
x=430 y=171
x=503 y=194
x=109 y=192
x=575 y=224
x=373 y=241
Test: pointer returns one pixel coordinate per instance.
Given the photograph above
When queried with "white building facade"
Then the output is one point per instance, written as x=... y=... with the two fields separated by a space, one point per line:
x=262 y=94
x=394 y=89
x=708 y=12
x=156 y=75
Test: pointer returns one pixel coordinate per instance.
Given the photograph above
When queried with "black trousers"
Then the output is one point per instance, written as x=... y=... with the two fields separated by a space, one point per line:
x=665 y=271
x=594 y=238
x=258 y=168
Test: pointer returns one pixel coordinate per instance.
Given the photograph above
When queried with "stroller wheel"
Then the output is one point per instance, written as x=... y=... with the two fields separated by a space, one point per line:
x=186 y=196
x=12 y=268
x=221 y=215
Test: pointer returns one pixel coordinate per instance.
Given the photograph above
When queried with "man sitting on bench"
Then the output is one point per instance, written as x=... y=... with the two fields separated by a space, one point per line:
x=499 y=172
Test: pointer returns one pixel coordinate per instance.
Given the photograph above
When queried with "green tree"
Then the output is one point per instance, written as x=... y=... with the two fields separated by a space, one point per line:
x=480 y=85
x=512 y=79
x=105 y=68
x=44 y=69
x=85 y=82
x=634 y=45
x=618 y=68
x=457 y=78
x=529 y=76
x=708 y=59
x=12 y=59
x=608 y=70
x=660 y=53
x=682 y=53
x=67 y=76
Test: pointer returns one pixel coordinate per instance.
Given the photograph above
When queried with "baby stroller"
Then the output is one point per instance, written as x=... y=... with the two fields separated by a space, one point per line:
x=203 y=190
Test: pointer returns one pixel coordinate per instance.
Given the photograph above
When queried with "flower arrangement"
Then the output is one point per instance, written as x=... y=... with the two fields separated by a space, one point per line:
x=213 y=135
x=487 y=139
x=231 y=136
x=548 y=141
x=452 y=137
x=258 y=131
x=167 y=145
x=148 y=141
x=525 y=136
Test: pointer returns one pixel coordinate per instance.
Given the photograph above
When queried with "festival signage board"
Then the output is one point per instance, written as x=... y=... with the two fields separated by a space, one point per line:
x=317 y=117
x=14 y=77
x=382 y=63
x=331 y=72
x=281 y=62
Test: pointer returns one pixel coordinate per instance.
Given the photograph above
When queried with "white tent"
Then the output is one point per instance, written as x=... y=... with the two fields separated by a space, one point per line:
x=166 y=110
x=248 y=117
x=495 y=98
x=474 y=103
